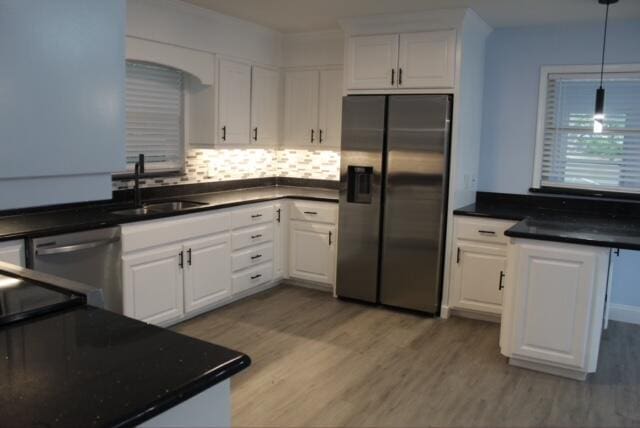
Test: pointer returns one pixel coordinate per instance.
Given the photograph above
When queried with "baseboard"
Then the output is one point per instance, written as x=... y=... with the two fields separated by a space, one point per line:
x=308 y=284
x=624 y=313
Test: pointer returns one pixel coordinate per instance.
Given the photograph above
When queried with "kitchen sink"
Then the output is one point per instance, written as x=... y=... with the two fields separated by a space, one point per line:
x=160 y=207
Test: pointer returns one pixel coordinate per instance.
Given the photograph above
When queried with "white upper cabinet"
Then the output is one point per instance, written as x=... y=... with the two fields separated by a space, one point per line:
x=265 y=105
x=427 y=60
x=402 y=61
x=330 y=108
x=234 y=102
x=372 y=62
x=301 y=107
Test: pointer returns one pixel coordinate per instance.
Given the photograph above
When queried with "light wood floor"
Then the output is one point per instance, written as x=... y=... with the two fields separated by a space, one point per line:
x=318 y=361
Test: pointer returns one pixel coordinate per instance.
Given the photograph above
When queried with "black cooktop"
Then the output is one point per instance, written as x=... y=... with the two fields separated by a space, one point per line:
x=21 y=299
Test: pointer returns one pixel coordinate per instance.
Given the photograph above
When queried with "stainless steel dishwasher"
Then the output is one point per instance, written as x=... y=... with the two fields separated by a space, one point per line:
x=91 y=257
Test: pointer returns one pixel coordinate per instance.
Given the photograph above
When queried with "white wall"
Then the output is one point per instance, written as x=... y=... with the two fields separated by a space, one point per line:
x=174 y=22
x=61 y=100
x=320 y=48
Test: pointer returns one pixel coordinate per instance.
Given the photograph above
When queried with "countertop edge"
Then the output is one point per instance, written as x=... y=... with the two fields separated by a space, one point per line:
x=187 y=391
x=78 y=227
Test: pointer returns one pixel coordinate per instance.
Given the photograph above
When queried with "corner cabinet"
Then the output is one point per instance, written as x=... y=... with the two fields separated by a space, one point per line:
x=479 y=265
x=313 y=108
x=248 y=104
x=554 y=306
x=406 y=60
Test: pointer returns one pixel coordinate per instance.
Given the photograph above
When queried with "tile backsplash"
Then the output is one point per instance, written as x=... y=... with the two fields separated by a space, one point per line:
x=207 y=165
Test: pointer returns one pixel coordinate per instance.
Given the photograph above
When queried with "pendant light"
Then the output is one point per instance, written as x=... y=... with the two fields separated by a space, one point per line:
x=598 y=117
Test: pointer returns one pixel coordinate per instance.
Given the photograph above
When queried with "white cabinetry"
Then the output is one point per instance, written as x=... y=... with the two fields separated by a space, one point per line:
x=207 y=271
x=312 y=241
x=152 y=284
x=234 y=102
x=479 y=265
x=406 y=60
x=175 y=267
x=265 y=105
x=12 y=252
x=313 y=108
x=554 y=305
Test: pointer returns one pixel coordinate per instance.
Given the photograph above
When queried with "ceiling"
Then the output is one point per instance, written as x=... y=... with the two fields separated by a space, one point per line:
x=314 y=15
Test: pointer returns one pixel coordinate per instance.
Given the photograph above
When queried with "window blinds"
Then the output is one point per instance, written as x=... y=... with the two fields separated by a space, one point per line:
x=154 y=106
x=572 y=154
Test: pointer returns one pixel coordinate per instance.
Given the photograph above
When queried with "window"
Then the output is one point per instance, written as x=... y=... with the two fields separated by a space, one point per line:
x=155 y=116
x=568 y=153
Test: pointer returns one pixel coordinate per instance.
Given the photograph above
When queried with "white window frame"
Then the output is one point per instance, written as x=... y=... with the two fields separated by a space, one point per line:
x=545 y=71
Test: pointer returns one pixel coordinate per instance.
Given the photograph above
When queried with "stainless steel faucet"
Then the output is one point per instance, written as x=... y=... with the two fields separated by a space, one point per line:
x=138 y=169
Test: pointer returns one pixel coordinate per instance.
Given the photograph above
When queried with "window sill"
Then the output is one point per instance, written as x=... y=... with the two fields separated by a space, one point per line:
x=585 y=193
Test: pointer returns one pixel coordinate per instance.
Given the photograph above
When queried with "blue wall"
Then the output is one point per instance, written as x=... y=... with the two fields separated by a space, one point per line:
x=514 y=58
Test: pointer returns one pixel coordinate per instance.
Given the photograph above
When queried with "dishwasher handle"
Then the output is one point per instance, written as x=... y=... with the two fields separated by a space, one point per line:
x=75 y=247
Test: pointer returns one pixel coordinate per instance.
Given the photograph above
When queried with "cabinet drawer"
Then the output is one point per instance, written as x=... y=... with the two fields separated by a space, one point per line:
x=251 y=236
x=253 y=215
x=253 y=277
x=485 y=230
x=252 y=256
x=316 y=212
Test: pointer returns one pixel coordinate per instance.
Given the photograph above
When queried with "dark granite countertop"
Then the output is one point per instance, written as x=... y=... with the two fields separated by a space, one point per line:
x=85 y=217
x=602 y=223
x=87 y=367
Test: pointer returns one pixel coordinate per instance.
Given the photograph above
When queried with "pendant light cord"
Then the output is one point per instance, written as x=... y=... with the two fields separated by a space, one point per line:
x=604 y=43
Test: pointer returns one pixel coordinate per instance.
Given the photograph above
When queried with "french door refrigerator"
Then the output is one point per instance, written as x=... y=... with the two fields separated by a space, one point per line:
x=393 y=199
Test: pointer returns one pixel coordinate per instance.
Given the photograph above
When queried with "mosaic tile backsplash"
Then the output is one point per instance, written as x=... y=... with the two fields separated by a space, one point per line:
x=206 y=165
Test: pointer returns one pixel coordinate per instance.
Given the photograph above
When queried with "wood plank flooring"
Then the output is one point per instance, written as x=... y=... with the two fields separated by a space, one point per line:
x=318 y=361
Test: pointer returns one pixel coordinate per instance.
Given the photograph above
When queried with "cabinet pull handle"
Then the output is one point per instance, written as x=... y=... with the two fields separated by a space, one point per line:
x=256 y=276
x=312 y=134
x=617 y=252
x=393 y=76
x=458 y=256
x=181 y=259
x=255 y=134
x=257 y=256
x=256 y=216
x=486 y=232
x=256 y=236
x=320 y=136
x=399 y=76
x=311 y=212
x=330 y=236
x=500 y=283
x=278 y=215
x=189 y=256
x=224 y=133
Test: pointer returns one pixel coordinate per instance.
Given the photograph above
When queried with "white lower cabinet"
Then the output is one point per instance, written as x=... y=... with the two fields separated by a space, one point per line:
x=554 y=304
x=312 y=251
x=153 y=284
x=207 y=272
x=478 y=266
x=12 y=252
x=479 y=277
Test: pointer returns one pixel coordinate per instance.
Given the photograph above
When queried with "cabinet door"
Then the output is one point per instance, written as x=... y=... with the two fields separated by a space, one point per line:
x=12 y=252
x=234 y=102
x=330 y=108
x=312 y=251
x=207 y=271
x=280 y=243
x=265 y=105
x=478 y=277
x=152 y=284
x=552 y=304
x=301 y=107
x=427 y=60
x=372 y=62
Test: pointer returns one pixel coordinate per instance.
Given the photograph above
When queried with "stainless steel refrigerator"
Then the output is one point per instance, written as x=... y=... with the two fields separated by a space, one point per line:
x=393 y=199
